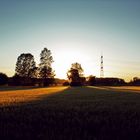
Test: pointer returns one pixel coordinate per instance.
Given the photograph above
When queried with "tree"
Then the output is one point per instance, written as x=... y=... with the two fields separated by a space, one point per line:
x=46 y=72
x=45 y=66
x=25 y=63
x=75 y=75
x=91 y=80
x=33 y=73
x=3 y=79
x=46 y=58
x=78 y=67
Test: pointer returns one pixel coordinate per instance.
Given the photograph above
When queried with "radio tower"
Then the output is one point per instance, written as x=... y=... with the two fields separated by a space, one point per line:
x=102 y=68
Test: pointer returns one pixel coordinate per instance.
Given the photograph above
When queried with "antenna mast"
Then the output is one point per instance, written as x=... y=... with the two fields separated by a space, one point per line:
x=102 y=67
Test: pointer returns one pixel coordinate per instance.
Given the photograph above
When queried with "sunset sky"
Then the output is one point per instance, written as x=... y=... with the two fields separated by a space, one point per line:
x=74 y=31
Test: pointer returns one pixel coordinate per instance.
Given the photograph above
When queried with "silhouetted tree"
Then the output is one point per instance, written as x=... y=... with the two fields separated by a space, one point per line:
x=66 y=84
x=109 y=81
x=91 y=80
x=46 y=72
x=25 y=63
x=16 y=80
x=78 y=67
x=75 y=75
x=3 y=79
x=135 y=81
x=45 y=66
x=33 y=73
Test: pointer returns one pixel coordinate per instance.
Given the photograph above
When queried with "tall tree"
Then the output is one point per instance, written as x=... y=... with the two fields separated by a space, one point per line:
x=25 y=63
x=46 y=72
x=33 y=73
x=45 y=66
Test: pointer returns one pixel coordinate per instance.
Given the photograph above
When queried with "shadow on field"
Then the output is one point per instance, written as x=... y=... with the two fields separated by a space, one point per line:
x=80 y=113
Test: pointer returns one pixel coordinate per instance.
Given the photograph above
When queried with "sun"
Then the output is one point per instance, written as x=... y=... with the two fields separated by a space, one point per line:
x=64 y=58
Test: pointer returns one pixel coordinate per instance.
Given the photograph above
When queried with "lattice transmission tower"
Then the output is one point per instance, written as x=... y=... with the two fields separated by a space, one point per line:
x=102 y=67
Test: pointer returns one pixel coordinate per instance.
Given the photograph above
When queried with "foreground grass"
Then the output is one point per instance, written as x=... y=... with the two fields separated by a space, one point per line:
x=81 y=113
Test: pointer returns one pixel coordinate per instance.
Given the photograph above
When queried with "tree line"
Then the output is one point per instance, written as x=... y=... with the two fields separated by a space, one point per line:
x=26 y=65
x=27 y=72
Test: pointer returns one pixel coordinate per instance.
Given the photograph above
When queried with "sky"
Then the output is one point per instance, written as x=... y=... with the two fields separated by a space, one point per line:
x=75 y=31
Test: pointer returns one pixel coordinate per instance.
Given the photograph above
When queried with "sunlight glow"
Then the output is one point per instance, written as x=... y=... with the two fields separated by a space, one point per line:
x=71 y=54
x=74 y=31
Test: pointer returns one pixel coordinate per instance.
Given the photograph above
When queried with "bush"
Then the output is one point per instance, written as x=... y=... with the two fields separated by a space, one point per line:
x=66 y=84
x=3 y=79
x=75 y=84
x=48 y=81
x=91 y=81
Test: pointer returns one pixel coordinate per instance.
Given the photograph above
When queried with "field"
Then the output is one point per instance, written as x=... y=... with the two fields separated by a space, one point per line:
x=70 y=113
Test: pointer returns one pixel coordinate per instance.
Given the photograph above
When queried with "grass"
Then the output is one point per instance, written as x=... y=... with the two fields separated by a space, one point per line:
x=16 y=95
x=63 y=113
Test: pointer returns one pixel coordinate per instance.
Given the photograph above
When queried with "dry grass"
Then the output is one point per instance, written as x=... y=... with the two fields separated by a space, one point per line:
x=120 y=88
x=21 y=95
x=130 y=88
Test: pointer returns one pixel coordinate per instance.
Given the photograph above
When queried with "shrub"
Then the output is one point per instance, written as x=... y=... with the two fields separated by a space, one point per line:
x=3 y=79
x=66 y=84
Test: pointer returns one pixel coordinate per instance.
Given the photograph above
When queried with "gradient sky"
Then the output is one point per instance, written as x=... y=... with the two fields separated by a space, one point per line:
x=74 y=31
